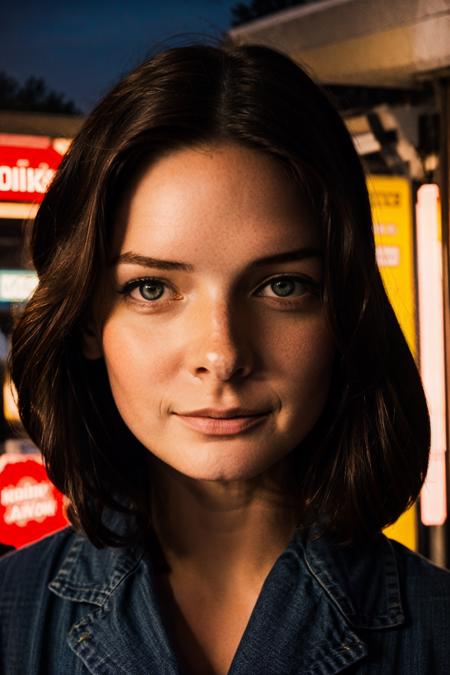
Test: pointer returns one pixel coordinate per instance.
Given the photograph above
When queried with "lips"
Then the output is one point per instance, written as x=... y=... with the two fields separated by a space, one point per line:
x=223 y=413
x=222 y=422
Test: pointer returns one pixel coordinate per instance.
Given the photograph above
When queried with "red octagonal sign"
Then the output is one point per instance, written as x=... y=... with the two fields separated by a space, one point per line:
x=30 y=505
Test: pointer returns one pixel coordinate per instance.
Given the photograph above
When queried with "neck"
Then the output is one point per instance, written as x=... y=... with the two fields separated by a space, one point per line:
x=223 y=531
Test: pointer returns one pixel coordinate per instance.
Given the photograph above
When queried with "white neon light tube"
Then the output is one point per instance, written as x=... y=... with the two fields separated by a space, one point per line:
x=433 y=499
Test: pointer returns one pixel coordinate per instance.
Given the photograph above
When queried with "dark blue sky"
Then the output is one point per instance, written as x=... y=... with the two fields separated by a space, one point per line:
x=81 y=48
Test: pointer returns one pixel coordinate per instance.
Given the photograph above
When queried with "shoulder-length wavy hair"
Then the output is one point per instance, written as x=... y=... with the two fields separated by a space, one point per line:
x=366 y=458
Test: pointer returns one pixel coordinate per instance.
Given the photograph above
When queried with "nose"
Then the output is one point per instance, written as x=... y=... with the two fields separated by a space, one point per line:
x=222 y=349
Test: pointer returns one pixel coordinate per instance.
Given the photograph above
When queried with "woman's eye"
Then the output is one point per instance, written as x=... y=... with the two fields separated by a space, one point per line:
x=286 y=287
x=151 y=290
x=144 y=289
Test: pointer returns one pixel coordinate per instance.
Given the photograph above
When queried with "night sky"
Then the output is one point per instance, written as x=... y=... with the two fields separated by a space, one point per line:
x=81 y=48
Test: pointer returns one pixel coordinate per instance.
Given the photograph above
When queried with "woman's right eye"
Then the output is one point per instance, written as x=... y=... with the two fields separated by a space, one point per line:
x=148 y=290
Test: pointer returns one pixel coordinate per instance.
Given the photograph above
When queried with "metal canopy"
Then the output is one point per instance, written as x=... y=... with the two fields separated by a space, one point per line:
x=362 y=42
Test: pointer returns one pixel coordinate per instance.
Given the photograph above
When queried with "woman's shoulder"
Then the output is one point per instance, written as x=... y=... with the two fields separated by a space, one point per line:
x=29 y=612
x=33 y=564
x=422 y=579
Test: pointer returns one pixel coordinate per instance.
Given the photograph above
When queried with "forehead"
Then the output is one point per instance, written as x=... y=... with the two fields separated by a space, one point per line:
x=217 y=201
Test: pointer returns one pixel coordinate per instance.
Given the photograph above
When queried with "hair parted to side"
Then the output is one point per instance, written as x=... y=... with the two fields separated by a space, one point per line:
x=365 y=460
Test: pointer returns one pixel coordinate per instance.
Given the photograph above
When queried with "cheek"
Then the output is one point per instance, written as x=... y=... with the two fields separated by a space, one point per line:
x=303 y=364
x=136 y=360
x=303 y=351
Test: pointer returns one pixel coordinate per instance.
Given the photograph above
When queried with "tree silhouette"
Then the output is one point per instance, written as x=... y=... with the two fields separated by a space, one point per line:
x=33 y=95
x=243 y=13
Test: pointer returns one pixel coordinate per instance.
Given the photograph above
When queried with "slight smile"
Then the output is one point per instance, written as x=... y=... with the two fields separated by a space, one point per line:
x=222 y=423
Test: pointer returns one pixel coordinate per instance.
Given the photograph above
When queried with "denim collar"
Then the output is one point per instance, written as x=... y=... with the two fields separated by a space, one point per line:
x=92 y=575
x=362 y=581
x=339 y=589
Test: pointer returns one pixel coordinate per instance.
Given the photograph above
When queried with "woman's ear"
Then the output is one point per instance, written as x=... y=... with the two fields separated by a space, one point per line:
x=91 y=341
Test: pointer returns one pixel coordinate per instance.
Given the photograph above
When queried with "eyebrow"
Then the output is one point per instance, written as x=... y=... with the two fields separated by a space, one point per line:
x=145 y=261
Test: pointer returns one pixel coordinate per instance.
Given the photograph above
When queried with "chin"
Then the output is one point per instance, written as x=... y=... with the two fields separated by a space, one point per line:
x=226 y=469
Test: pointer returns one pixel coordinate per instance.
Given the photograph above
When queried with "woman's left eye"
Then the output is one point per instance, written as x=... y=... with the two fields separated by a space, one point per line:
x=287 y=287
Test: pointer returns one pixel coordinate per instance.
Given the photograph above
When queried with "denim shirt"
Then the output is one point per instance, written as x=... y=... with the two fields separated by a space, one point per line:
x=67 y=608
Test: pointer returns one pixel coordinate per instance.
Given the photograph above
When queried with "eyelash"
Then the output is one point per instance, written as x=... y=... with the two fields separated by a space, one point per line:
x=312 y=286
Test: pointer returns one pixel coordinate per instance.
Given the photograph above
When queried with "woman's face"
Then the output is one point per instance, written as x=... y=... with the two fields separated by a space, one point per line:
x=215 y=340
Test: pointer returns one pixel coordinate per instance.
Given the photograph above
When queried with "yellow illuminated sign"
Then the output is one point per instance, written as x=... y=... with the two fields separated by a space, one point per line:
x=392 y=211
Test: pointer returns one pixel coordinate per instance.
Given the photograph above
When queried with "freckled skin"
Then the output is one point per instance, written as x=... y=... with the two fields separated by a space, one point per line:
x=215 y=339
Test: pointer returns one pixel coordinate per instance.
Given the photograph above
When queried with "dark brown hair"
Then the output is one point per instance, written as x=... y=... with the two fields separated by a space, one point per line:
x=365 y=460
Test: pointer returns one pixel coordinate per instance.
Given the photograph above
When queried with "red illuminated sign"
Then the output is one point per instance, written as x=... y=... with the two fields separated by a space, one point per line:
x=26 y=172
x=30 y=505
